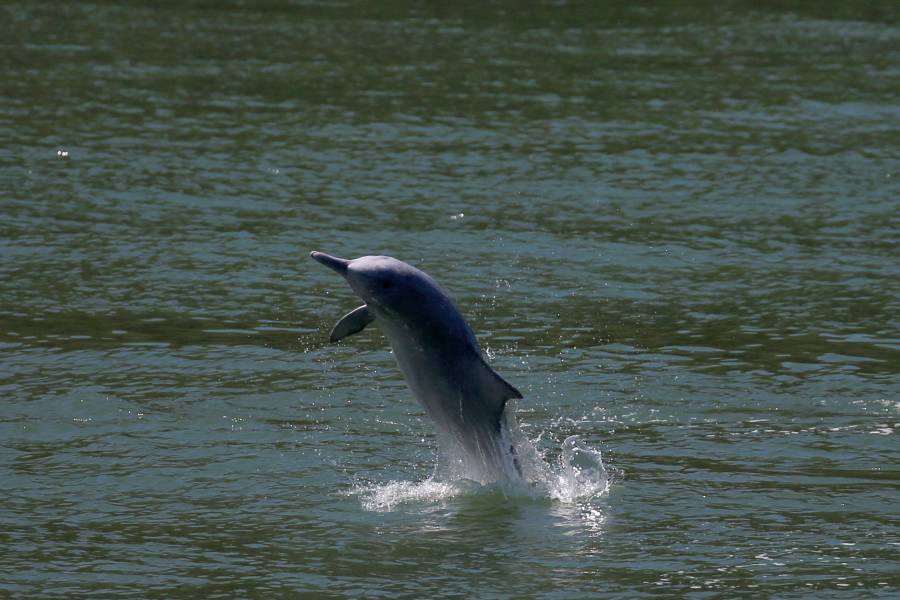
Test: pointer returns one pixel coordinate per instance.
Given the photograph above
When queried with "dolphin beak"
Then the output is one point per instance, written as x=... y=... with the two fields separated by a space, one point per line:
x=334 y=263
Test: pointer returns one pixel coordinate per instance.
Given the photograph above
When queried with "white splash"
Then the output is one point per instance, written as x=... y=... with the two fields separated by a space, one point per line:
x=580 y=473
x=386 y=496
x=577 y=476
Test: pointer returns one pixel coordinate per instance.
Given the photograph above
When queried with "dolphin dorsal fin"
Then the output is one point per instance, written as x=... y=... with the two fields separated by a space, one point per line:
x=500 y=389
x=353 y=322
x=504 y=388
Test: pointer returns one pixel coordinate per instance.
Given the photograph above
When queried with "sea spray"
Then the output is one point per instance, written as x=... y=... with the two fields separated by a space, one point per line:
x=580 y=472
x=577 y=476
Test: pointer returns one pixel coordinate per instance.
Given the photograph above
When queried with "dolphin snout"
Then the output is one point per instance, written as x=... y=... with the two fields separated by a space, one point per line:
x=332 y=262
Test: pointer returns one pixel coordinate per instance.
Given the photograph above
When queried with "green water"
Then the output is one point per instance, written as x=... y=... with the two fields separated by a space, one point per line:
x=672 y=226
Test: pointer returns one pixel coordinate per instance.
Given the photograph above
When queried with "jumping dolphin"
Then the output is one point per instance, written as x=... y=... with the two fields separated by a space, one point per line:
x=438 y=355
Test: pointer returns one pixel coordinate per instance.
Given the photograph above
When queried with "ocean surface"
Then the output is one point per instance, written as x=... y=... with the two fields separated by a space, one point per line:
x=675 y=227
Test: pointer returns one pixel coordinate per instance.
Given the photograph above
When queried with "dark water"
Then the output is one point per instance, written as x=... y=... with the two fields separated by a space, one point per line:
x=674 y=228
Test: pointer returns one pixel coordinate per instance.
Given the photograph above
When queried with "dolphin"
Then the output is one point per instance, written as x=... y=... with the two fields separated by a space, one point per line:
x=439 y=358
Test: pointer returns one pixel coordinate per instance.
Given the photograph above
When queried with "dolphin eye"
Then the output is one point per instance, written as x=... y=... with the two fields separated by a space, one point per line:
x=386 y=285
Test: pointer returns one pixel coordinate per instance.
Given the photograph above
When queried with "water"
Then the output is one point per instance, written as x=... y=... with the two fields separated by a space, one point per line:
x=674 y=229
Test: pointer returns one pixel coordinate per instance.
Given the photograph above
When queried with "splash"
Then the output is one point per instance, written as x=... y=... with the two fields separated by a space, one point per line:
x=387 y=496
x=580 y=473
x=575 y=477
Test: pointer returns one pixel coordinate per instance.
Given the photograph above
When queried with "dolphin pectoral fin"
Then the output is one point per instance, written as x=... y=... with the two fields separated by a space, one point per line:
x=353 y=322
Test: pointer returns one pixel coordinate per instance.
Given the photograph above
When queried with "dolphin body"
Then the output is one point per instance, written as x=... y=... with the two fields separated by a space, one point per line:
x=439 y=357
